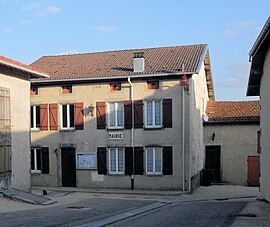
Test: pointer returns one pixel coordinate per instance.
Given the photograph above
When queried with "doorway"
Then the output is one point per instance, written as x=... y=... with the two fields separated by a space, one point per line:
x=212 y=162
x=68 y=162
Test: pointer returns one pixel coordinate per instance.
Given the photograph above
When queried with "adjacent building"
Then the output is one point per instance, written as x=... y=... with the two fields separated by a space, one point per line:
x=121 y=118
x=258 y=85
x=231 y=138
x=15 y=122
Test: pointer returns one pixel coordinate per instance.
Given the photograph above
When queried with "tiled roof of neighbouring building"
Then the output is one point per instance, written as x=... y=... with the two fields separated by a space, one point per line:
x=233 y=112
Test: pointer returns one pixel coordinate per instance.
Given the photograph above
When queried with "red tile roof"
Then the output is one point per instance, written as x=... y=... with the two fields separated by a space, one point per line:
x=21 y=66
x=233 y=112
x=161 y=60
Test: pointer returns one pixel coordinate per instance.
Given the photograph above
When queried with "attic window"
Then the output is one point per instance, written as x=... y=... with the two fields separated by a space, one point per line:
x=115 y=86
x=34 y=91
x=67 y=89
x=152 y=85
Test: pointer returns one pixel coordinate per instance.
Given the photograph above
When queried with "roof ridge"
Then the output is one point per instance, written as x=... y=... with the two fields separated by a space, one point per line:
x=122 y=50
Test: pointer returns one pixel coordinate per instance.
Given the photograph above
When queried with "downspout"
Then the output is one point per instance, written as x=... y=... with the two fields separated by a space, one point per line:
x=132 y=131
x=183 y=136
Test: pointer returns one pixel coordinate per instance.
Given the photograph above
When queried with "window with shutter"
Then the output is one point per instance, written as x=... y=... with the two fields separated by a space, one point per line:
x=53 y=116
x=67 y=117
x=35 y=117
x=35 y=160
x=167 y=161
x=101 y=115
x=102 y=160
x=116 y=160
x=45 y=162
x=116 y=115
x=153 y=114
x=44 y=117
x=167 y=113
x=138 y=160
x=79 y=123
x=138 y=114
x=153 y=160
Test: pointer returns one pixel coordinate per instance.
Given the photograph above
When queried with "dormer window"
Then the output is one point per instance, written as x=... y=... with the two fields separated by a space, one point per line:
x=67 y=89
x=34 y=90
x=152 y=85
x=115 y=86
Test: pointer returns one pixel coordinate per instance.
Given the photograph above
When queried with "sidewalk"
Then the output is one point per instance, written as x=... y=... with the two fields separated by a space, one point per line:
x=256 y=213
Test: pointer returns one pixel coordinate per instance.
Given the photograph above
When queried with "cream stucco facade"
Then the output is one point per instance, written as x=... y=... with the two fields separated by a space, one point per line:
x=90 y=138
x=237 y=142
x=18 y=87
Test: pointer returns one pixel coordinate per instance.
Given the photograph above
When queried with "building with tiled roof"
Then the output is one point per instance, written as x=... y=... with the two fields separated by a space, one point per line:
x=118 y=119
x=231 y=138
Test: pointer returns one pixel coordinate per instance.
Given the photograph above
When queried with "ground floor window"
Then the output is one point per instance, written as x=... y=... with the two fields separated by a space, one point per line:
x=36 y=160
x=153 y=160
x=116 y=160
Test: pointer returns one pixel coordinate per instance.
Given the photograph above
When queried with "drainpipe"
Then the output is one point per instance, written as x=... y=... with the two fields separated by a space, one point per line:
x=132 y=132
x=183 y=136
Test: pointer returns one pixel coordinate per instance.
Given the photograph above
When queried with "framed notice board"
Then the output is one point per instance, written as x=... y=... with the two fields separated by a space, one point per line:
x=85 y=160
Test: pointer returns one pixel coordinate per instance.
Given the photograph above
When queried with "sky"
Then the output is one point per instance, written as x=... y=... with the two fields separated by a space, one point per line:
x=30 y=29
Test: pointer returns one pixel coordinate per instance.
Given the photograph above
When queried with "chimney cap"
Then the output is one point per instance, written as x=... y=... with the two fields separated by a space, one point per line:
x=138 y=54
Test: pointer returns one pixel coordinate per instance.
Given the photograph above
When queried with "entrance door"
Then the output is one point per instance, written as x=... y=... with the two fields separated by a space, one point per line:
x=253 y=170
x=68 y=160
x=212 y=162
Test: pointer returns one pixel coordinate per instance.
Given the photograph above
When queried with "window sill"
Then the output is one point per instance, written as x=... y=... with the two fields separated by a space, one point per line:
x=36 y=172
x=117 y=174
x=35 y=130
x=153 y=128
x=115 y=128
x=154 y=174
x=67 y=130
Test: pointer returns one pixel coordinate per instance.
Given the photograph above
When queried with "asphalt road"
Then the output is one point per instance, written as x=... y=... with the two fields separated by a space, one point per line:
x=73 y=214
x=189 y=214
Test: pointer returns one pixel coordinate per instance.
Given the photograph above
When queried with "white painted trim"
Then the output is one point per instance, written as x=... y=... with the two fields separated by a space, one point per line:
x=35 y=170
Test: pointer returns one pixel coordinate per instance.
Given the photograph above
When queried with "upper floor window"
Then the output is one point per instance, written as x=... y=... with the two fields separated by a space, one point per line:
x=68 y=117
x=67 y=89
x=153 y=160
x=116 y=160
x=152 y=85
x=4 y=109
x=153 y=113
x=115 y=86
x=35 y=117
x=34 y=90
x=116 y=115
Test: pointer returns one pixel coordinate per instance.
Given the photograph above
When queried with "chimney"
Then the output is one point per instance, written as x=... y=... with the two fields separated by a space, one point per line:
x=138 y=62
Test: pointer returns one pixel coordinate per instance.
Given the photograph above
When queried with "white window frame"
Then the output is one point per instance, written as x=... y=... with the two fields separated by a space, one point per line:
x=68 y=116
x=115 y=116
x=35 y=118
x=35 y=170
x=154 y=172
x=153 y=114
x=116 y=159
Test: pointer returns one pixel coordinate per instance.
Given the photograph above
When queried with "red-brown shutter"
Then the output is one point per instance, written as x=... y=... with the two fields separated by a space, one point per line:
x=53 y=113
x=167 y=113
x=44 y=117
x=138 y=114
x=101 y=115
x=79 y=123
x=128 y=114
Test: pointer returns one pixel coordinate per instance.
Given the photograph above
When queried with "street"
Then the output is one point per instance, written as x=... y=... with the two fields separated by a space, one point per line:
x=98 y=209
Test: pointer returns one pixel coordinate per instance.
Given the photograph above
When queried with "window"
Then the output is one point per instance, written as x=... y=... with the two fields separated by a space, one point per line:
x=35 y=160
x=152 y=85
x=153 y=160
x=116 y=160
x=67 y=89
x=116 y=115
x=153 y=114
x=4 y=109
x=35 y=117
x=115 y=86
x=68 y=116
x=34 y=90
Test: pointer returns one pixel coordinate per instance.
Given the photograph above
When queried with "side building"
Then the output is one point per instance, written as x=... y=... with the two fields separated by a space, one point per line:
x=258 y=85
x=120 y=119
x=231 y=138
x=15 y=122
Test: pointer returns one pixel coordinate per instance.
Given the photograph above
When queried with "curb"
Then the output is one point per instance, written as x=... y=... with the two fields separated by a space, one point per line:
x=126 y=215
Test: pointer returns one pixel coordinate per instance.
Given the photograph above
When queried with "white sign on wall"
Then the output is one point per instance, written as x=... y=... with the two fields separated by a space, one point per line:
x=115 y=135
x=85 y=161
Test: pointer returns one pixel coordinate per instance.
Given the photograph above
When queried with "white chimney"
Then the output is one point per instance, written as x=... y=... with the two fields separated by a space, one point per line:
x=138 y=62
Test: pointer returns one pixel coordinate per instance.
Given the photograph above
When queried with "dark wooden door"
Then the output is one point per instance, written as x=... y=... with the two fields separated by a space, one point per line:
x=68 y=160
x=212 y=162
